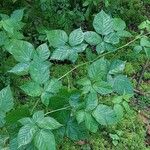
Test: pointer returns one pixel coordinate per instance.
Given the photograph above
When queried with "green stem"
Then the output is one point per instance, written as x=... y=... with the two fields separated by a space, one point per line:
x=56 y=110
x=121 y=47
x=36 y=103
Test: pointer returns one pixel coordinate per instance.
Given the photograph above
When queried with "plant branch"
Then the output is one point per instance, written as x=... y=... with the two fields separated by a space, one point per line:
x=56 y=110
x=141 y=93
x=142 y=73
x=121 y=47
x=36 y=103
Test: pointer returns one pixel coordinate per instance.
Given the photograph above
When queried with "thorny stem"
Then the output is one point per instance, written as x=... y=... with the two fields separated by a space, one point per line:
x=82 y=64
x=56 y=110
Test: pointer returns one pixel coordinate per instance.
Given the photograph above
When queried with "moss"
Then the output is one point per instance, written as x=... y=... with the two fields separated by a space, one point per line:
x=145 y=86
x=129 y=69
x=147 y=75
x=128 y=9
x=132 y=137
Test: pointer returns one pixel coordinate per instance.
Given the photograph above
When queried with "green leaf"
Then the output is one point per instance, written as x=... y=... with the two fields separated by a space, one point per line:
x=74 y=131
x=103 y=23
x=17 y=14
x=32 y=89
x=100 y=48
x=126 y=106
x=119 y=111
x=20 y=69
x=109 y=47
x=61 y=53
x=138 y=48
x=91 y=101
x=38 y=116
x=74 y=100
x=2 y=119
x=92 y=38
x=57 y=38
x=16 y=114
x=53 y=86
x=145 y=42
x=43 y=52
x=123 y=33
x=21 y=50
x=45 y=140
x=26 y=134
x=9 y=25
x=48 y=123
x=104 y=115
x=112 y=38
x=117 y=99
x=80 y=116
x=117 y=67
x=102 y=87
x=39 y=71
x=122 y=85
x=114 y=136
x=79 y=48
x=6 y=100
x=119 y=24
x=67 y=52
x=73 y=56
x=3 y=38
x=147 y=51
x=98 y=69
x=26 y=120
x=91 y=123
x=127 y=97
x=145 y=25
x=90 y=55
x=45 y=98
x=76 y=37
x=87 y=85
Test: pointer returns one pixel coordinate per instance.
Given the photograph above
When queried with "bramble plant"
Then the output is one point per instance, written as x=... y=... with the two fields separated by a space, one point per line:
x=83 y=111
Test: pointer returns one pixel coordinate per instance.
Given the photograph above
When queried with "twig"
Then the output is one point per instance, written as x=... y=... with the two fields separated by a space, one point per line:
x=142 y=73
x=121 y=47
x=56 y=110
x=140 y=92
